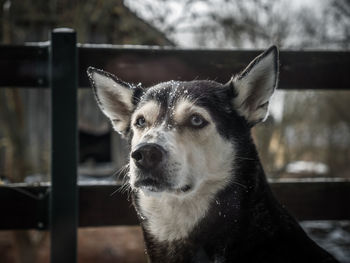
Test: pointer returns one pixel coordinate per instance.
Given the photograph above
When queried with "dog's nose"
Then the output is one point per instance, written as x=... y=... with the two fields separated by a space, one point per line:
x=148 y=156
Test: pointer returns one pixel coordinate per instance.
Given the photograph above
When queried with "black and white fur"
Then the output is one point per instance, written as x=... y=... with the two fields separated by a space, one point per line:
x=197 y=183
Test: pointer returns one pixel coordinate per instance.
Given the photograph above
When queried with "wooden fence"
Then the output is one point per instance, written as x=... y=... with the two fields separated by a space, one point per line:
x=61 y=65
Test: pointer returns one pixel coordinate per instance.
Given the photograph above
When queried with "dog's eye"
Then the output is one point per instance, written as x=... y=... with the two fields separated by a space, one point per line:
x=140 y=122
x=197 y=121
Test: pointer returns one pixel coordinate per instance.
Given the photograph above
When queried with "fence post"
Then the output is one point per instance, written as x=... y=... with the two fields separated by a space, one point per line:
x=64 y=192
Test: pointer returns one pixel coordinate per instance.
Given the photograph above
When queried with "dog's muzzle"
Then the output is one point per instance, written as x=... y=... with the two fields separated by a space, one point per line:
x=151 y=173
x=150 y=160
x=149 y=156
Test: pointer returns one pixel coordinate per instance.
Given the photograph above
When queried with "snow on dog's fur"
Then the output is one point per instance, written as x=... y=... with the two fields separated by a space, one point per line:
x=196 y=179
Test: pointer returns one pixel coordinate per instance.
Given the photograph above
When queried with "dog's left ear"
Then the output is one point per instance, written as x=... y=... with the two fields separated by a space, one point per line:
x=114 y=97
x=254 y=87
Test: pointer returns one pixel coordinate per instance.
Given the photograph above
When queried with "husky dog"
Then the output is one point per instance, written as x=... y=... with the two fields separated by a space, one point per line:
x=197 y=183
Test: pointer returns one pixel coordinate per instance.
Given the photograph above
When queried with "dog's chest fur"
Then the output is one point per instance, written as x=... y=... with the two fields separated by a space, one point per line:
x=170 y=218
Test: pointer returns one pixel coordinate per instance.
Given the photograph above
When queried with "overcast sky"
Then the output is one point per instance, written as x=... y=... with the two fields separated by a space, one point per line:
x=147 y=8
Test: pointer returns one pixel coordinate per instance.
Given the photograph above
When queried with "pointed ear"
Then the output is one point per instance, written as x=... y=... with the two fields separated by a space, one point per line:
x=114 y=97
x=255 y=85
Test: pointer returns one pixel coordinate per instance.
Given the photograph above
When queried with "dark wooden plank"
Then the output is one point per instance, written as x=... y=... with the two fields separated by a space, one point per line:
x=315 y=200
x=299 y=69
x=104 y=205
x=98 y=207
x=23 y=67
x=315 y=70
x=24 y=207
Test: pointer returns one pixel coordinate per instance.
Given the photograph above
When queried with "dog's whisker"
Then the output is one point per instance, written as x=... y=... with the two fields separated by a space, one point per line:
x=121 y=170
x=245 y=158
x=121 y=173
x=122 y=188
x=114 y=192
x=239 y=184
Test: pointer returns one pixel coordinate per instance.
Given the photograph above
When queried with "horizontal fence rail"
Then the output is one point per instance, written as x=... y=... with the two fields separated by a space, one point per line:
x=27 y=66
x=25 y=207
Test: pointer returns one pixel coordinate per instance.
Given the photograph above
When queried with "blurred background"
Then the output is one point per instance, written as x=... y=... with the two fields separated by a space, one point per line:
x=307 y=134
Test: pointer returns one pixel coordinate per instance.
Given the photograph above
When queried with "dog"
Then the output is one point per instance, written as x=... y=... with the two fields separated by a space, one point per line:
x=197 y=184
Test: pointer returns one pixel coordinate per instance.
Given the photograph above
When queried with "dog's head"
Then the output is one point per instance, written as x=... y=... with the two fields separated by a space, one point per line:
x=183 y=134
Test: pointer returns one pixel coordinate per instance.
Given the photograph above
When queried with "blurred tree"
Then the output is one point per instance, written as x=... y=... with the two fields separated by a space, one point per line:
x=97 y=21
x=222 y=23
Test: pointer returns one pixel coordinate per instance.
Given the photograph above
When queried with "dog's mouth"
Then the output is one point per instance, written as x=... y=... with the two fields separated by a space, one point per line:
x=155 y=186
x=149 y=184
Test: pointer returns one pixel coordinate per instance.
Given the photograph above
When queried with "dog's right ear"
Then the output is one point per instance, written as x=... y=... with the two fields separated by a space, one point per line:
x=114 y=97
x=255 y=85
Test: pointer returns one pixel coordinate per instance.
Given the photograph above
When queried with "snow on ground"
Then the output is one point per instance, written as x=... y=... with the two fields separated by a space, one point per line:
x=334 y=236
